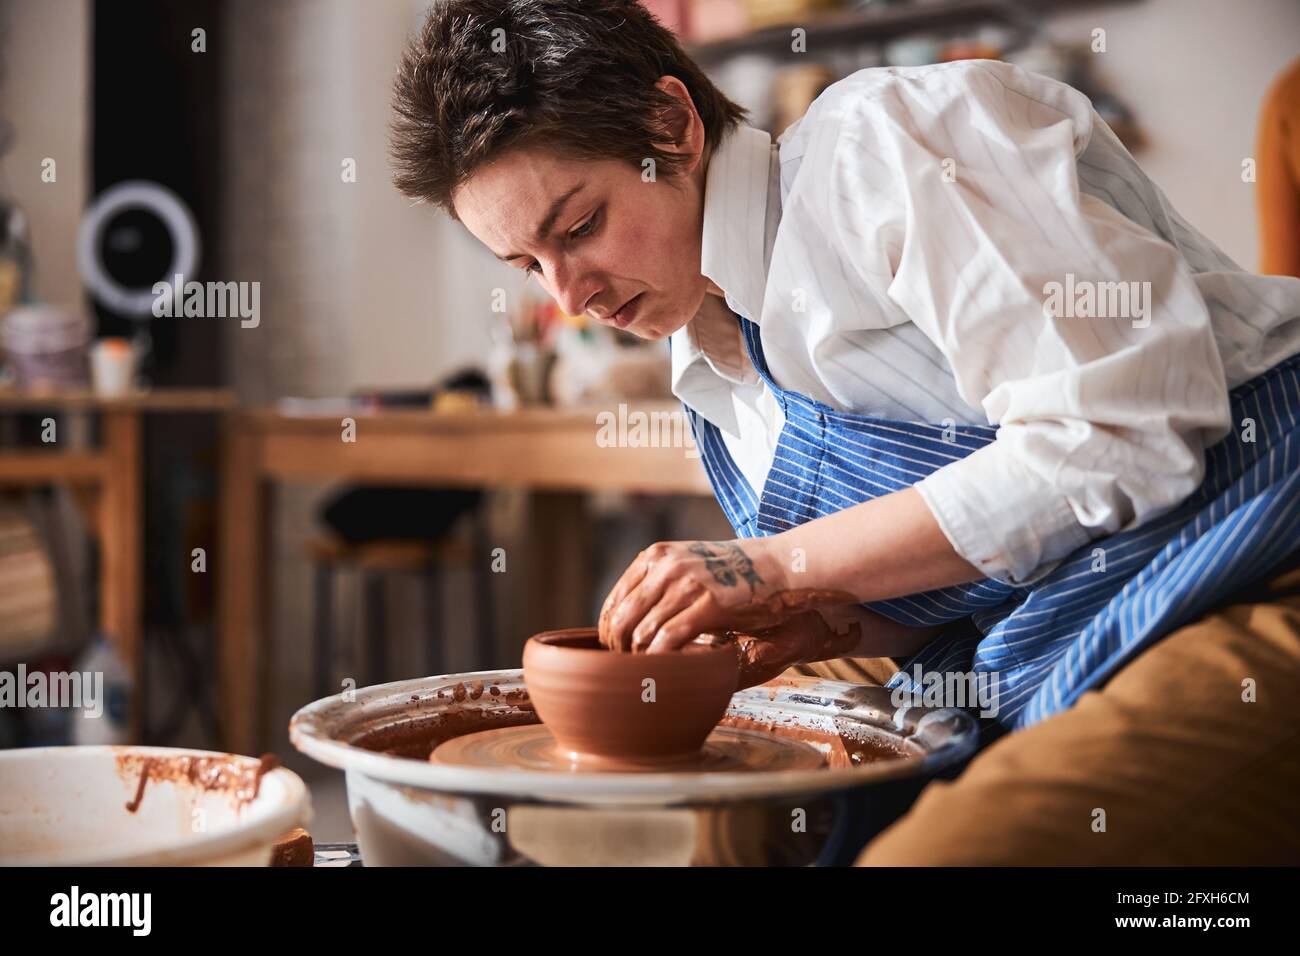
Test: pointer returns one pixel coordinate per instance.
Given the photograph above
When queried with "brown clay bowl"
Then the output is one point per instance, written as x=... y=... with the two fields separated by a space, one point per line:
x=595 y=701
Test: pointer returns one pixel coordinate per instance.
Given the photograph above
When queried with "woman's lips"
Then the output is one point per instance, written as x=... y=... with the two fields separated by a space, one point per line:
x=626 y=315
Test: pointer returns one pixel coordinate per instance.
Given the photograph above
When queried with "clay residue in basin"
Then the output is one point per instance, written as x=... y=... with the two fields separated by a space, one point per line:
x=842 y=750
x=238 y=777
x=473 y=690
x=417 y=737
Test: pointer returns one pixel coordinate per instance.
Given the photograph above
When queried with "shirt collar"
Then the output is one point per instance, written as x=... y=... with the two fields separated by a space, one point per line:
x=708 y=353
x=735 y=215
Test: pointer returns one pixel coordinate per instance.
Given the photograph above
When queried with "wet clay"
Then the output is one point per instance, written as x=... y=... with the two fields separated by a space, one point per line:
x=240 y=777
x=534 y=747
x=766 y=654
x=629 y=710
x=295 y=848
x=420 y=739
x=841 y=750
x=417 y=738
x=738 y=744
x=783 y=605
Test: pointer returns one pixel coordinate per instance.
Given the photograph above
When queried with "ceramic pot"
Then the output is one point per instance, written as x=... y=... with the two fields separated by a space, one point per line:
x=622 y=708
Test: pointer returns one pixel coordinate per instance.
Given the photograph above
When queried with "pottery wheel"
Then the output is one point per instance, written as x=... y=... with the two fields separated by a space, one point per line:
x=531 y=747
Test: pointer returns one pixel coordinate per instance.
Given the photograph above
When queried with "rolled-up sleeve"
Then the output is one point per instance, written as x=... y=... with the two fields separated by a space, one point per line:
x=1080 y=334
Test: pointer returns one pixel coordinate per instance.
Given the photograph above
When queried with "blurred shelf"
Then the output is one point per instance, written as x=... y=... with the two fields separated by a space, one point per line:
x=35 y=469
x=154 y=400
x=851 y=27
x=485 y=418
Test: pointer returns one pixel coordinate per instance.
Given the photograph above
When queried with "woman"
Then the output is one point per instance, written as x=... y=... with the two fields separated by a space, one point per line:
x=968 y=389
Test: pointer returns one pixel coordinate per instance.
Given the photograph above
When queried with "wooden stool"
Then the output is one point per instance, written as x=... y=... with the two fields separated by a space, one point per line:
x=374 y=561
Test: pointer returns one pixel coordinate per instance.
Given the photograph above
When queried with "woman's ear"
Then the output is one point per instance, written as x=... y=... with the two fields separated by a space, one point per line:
x=682 y=123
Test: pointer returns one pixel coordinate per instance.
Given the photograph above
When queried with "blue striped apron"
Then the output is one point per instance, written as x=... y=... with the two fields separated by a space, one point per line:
x=1046 y=643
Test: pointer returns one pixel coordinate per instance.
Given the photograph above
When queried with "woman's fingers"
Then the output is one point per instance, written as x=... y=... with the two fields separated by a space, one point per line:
x=690 y=621
x=677 y=594
x=670 y=598
x=627 y=613
x=630 y=578
x=697 y=586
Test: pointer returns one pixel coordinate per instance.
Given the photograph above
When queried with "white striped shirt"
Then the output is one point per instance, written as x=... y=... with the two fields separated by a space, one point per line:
x=901 y=247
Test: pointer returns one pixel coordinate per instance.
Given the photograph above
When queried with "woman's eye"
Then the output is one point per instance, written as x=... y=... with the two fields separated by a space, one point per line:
x=585 y=228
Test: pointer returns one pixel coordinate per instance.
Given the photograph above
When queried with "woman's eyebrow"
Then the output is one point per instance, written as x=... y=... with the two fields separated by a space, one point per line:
x=548 y=222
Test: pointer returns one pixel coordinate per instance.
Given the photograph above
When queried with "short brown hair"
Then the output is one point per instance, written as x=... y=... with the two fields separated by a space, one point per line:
x=574 y=75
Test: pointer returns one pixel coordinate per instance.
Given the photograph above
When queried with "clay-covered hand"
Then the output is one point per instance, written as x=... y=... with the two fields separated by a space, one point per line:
x=806 y=637
x=676 y=590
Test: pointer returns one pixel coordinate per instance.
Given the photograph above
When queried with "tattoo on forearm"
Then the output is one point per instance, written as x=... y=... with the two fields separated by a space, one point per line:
x=727 y=563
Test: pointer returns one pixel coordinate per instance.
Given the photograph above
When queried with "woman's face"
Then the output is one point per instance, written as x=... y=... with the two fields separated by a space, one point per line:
x=596 y=235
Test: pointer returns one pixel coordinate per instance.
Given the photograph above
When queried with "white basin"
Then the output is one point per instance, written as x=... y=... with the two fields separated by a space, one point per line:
x=67 y=806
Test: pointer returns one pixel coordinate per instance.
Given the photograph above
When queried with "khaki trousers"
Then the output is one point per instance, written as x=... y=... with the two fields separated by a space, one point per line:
x=1189 y=755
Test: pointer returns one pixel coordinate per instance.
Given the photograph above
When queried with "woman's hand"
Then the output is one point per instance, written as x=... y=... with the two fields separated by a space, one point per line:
x=879 y=549
x=804 y=638
x=822 y=635
x=676 y=590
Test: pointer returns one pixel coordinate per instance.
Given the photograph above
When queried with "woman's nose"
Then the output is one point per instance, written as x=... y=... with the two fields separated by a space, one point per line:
x=571 y=303
x=574 y=294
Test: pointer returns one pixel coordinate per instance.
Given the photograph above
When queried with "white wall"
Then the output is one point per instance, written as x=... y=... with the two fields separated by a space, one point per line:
x=44 y=94
x=423 y=284
x=360 y=287
x=1195 y=73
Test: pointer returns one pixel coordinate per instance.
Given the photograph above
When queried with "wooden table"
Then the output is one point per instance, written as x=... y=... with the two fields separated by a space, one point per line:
x=107 y=482
x=554 y=453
